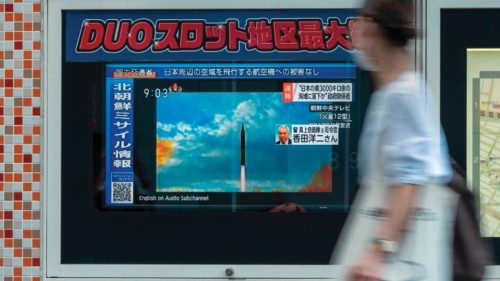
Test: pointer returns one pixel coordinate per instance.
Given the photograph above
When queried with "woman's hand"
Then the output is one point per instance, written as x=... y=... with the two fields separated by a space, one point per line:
x=367 y=267
x=400 y=202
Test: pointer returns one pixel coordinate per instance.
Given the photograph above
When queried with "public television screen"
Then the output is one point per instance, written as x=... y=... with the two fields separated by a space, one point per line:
x=230 y=135
x=237 y=123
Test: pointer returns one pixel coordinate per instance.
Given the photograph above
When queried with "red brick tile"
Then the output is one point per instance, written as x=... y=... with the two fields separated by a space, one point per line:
x=18 y=177
x=9 y=92
x=9 y=17
x=18 y=196
x=18 y=271
x=18 y=130
x=18 y=252
x=27 y=215
x=27 y=158
x=9 y=243
x=18 y=45
x=18 y=120
x=27 y=26
x=27 y=185
x=18 y=206
x=8 y=215
x=18 y=111
x=18 y=16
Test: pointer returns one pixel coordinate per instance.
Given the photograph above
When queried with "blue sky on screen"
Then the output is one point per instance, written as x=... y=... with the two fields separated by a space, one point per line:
x=205 y=128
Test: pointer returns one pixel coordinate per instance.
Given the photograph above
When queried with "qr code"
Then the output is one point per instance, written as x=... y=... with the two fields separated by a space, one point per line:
x=122 y=192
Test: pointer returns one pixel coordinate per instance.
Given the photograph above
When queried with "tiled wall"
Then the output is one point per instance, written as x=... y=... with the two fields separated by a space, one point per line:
x=20 y=139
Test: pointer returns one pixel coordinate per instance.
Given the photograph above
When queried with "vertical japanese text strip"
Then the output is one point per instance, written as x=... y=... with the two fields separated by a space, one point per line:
x=120 y=148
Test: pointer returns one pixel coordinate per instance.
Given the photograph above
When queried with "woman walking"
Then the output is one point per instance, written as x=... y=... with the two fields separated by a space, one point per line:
x=403 y=161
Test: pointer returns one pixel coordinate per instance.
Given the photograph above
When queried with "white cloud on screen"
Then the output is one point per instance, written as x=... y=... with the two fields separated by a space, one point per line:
x=270 y=112
x=183 y=136
x=174 y=162
x=245 y=111
x=183 y=127
x=215 y=153
x=222 y=124
x=188 y=145
x=164 y=127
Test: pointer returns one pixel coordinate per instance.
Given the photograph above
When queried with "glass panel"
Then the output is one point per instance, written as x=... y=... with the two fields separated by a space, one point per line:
x=207 y=157
x=483 y=76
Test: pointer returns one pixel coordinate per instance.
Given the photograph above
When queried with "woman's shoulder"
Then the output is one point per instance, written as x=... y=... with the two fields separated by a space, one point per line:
x=405 y=96
x=408 y=83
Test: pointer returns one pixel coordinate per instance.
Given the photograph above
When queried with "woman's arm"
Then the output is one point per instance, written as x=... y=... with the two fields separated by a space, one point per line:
x=399 y=206
x=400 y=202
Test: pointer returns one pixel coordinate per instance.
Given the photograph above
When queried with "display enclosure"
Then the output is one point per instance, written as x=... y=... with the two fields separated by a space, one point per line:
x=462 y=72
x=194 y=139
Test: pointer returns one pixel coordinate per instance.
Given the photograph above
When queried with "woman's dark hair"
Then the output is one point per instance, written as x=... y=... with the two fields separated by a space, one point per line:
x=394 y=16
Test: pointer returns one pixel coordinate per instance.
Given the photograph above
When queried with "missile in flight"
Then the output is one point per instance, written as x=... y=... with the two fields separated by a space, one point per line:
x=242 y=159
